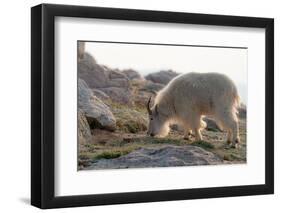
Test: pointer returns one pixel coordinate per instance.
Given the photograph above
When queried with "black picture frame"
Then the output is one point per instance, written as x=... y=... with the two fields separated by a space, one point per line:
x=43 y=102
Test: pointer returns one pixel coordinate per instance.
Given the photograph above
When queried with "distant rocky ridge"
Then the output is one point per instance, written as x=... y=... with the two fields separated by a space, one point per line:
x=161 y=77
x=132 y=74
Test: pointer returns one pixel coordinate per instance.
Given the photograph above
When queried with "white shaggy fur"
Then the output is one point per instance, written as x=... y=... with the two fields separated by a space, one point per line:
x=190 y=96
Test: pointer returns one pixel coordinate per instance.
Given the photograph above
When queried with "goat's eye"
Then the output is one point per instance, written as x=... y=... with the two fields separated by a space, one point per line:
x=151 y=119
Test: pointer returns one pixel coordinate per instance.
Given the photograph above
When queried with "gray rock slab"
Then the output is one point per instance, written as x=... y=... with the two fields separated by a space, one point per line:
x=163 y=156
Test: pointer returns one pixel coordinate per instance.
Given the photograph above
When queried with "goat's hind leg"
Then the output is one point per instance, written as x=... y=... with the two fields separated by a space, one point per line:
x=230 y=122
x=188 y=134
x=198 y=135
x=187 y=131
x=197 y=126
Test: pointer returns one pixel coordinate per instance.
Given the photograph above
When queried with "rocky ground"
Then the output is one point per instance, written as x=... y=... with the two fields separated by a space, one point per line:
x=112 y=124
x=123 y=150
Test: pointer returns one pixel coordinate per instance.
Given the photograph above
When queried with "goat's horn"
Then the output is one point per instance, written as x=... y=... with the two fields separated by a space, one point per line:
x=148 y=106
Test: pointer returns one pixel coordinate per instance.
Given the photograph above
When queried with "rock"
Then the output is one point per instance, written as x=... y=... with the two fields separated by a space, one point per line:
x=115 y=74
x=164 y=156
x=99 y=76
x=83 y=163
x=92 y=73
x=211 y=125
x=162 y=77
x=152 y=87
x=121 y=95
x=117 y=79
x=113 y=82
x=84 y=132
x=242 y=111
x=100 y=94
x=132 y=74
x=98 y=114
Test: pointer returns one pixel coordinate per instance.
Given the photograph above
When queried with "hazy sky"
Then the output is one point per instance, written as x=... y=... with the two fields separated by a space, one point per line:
x=182 y=59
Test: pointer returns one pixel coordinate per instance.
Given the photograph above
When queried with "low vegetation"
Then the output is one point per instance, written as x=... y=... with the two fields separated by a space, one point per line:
x=203 y=144
x=128 y=120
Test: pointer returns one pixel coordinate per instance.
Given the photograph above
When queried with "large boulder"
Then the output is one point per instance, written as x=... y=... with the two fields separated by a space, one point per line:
x=161 y=77
x=98 y=114
x=84 y=132
x=113 y=82
x=163 y=156
x=92 y=73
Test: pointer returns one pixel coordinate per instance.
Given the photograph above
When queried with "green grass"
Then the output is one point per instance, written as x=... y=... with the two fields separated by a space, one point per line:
x=111 y=154
x=114 y=150
x=232 y=157
x=203 y=144
x=165 y=141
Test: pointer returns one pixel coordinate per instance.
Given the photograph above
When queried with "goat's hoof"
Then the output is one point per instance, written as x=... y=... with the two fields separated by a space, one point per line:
x=236 y=144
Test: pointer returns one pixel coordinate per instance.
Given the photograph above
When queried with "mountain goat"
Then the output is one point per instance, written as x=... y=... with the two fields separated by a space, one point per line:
x=189 y=97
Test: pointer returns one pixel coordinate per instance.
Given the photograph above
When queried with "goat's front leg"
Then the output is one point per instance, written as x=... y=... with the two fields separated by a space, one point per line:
x=198 y=136
x=188 y=134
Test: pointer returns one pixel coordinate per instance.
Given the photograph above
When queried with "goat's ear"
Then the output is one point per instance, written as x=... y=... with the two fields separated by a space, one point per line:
x=160 y=111
x=148 y=106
